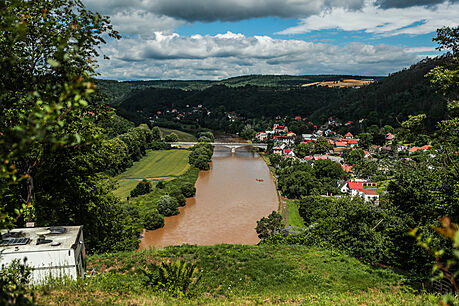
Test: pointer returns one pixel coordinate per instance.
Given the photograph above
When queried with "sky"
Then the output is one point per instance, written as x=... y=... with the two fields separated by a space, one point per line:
x=218 y=39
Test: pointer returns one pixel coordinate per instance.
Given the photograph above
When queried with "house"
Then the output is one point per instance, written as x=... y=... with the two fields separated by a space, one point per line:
x=277 y=150
x=308 y=137
x=348 y=135
x=414 y=149
x=261 y=136
x=353 y=143
x=354 y=188
x=50 y=251
x=298 y=118
x=280 y=129
x=347 y=169
x=369 y=196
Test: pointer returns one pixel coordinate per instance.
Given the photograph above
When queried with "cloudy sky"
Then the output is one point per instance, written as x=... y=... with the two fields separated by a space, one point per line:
x=217 y=39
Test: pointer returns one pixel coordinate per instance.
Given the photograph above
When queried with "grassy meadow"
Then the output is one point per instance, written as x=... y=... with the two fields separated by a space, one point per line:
x=240 y=274
x=294 y=218
x=156 y=165
x=182 y=136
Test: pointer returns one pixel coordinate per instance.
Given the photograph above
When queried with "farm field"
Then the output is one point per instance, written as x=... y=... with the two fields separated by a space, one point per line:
x=183 y=136
x=156 y=165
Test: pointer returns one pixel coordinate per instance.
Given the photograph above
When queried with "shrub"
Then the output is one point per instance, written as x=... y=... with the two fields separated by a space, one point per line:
x=153 y=220
x=188 y=190
x=160 y=185
x=167 y=206
x=176 y=278
x=267 y=227
x=14 y=281
x=177 y=194
x=172 y=137
x=142 y=187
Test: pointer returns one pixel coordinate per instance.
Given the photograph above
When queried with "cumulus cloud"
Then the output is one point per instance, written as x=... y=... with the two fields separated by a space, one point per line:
x=171 y=56
x=372 y=19
x=223 y=10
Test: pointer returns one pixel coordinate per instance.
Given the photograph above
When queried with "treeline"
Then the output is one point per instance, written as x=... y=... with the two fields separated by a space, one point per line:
x=201 y=153
x=391 y=100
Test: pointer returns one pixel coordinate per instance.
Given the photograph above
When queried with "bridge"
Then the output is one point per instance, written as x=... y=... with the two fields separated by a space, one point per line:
x=232 y=145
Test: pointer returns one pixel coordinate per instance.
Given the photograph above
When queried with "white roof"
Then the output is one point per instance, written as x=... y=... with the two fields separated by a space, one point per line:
x=65 y=240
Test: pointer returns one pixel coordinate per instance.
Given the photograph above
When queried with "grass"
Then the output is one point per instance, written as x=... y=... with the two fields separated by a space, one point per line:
x=294 y=218
x=183 y=136
x=166 y=165
x=241 y=274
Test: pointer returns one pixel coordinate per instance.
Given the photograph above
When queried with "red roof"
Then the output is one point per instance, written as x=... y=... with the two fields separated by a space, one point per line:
x=352 y=141
x=287 y=151
x=349 y=134
x=298 y=117
x=414 y=149
x=321 y=157
x=340 y=144
x=369 y=192
x=355 y=185
x=347 y=169
x=389 y=136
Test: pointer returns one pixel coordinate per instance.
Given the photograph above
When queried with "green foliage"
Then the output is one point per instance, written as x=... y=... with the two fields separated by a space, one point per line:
x=269 y=226
x=14 y=284
x=352 y=157
x=201 y=155
x=275 y=159
x=248 y=133
x=143 y=187
x=160 y=184
x=167 y=206
x=204 y=139
x=322 y=146
x=178 y=196
x=178 y=278
x=188 y=190
x=152 y=220
x=209 y=135
x=304 y=149
x=413 y=129
x=172 y=137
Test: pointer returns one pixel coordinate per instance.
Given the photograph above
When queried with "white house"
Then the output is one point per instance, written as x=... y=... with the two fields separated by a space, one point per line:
x=50 y=251
x=369 y=196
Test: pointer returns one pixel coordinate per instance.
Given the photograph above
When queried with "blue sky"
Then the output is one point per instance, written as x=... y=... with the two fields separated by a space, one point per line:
x=216 y=39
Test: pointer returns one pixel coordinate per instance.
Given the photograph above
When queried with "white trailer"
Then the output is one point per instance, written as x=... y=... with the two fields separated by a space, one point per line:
x=51 y=252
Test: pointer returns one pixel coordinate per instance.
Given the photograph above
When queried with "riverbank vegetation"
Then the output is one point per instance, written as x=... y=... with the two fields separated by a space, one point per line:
x=240 y=274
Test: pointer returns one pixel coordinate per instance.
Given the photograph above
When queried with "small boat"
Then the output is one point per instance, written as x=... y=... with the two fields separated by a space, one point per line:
x=259 y=180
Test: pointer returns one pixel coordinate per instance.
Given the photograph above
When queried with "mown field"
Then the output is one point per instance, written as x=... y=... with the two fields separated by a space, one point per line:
x=156 y=165
x=240 y=274
x=183 y=136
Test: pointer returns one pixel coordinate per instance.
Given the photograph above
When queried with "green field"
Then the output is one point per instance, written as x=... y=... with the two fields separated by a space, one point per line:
x=166 y=165
x=241 y=274
x=294 y=218
x=183 y=136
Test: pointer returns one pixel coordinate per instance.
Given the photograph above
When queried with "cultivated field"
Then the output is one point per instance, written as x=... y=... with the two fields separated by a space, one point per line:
x=156 y=165
x=343 y=83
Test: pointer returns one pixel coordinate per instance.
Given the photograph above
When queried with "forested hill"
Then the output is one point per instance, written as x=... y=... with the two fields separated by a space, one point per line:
x=387 y=101
x=118 y=91
x=391 y=100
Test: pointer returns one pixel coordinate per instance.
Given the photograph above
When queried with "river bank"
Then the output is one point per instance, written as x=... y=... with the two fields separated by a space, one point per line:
x=228 y=202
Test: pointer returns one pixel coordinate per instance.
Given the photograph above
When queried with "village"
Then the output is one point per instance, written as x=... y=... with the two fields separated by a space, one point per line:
x=325 y=143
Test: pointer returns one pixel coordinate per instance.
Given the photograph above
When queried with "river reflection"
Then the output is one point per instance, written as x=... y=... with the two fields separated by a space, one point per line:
x=228 y=202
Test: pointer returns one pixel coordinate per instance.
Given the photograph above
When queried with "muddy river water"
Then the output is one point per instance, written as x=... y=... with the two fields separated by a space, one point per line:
x=228 y=202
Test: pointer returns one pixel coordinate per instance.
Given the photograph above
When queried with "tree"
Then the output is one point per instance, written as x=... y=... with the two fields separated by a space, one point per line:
x=275 y=159
x=178 y=196
x=248 y=133
x=188 y=190
x=351 y=157
x=156 y=133
x=167 y=206
x=269 y=226
x=366 y=139
x=204 y=139
x=322 y=146
x=304 y=149
x=141 y=188
x=172 y=137
x=152 y=220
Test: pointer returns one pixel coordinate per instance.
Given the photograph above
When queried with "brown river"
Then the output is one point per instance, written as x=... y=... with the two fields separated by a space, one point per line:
x=229 y=200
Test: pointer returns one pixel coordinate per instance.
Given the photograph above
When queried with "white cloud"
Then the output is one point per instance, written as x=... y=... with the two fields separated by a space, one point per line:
x=389 y=22
x=171 y=56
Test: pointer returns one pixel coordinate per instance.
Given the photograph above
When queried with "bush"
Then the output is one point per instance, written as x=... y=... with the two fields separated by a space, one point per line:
x=142 y=187
x=14 y=281
x=188 y=190
x=167 y=206
x=172 y=137
x=177 y=194
x=160 y=145
x=160 y=185
x=153 y=220
x=176 y=278
x=267 y=227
